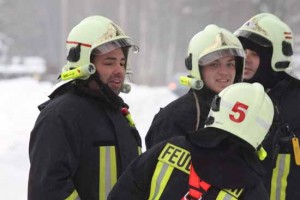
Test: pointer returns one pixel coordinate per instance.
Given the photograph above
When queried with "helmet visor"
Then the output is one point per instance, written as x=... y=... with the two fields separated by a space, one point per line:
x=115 y=44
x=219 y=54
x=258 y=39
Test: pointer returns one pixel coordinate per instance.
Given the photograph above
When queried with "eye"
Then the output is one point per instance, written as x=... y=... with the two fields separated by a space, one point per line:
x=213 y=64
x=231 y=64
x=108 y=63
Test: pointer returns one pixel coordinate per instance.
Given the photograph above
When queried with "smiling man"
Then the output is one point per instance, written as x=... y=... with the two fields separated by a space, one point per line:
x=215 y=60
x=83 y=139
x=111 y=69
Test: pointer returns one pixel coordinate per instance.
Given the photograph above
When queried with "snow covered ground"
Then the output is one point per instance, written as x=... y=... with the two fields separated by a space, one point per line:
x=18 y=111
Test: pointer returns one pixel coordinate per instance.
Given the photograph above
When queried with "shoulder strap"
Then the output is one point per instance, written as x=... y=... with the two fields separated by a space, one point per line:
x=197 y=186
x=198 y=110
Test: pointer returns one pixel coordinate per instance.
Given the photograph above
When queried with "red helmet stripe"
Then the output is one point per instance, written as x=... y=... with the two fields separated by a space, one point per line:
x=73 y=42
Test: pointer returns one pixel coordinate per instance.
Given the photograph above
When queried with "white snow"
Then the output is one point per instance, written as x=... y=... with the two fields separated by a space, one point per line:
x=19 y=99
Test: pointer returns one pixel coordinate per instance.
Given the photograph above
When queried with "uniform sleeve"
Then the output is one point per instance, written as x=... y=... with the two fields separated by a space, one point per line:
x=134 y=184
x=53 y=152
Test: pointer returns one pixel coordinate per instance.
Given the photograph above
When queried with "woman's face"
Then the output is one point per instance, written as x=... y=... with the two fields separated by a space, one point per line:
x=219 y=73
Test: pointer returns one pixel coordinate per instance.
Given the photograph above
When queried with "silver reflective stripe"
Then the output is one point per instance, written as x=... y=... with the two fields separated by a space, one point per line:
x=228 y=197
x=262 y=123
x=279 y=177
x=107 y=170
x=229 y=194
x=160 y=179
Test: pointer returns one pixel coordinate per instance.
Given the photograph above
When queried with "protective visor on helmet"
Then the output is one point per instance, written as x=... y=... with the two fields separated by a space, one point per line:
x=219 y=54
x=258 y=39
x=115 y=44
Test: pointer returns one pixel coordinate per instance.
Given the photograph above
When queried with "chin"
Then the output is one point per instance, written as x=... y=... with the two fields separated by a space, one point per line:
x=248 y=75
x=116 y=91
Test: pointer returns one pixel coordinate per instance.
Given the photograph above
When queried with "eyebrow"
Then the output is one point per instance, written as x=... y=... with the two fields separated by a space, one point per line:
x=113 y=58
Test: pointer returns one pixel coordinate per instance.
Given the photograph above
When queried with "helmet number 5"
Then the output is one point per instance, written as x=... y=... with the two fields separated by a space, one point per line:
x=240 y=109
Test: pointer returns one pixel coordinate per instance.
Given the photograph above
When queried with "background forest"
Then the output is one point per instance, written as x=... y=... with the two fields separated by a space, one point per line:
x=161 y=28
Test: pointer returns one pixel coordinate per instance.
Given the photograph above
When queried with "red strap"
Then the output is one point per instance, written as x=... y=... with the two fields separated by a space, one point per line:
x=197 y=186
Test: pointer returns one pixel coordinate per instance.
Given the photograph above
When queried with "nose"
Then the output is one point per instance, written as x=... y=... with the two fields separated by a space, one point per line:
x=119 y=69
x=248 y=58
x=223 y=69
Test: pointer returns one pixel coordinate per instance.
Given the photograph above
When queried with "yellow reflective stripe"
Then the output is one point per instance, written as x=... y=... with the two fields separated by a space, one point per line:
x=279 y=177
x=225 y=196
x=107 y=170
x=139 y=150
x=160 y=179
x=102 y=173
x=234 y=192
x=113 y=166
x=73 y=196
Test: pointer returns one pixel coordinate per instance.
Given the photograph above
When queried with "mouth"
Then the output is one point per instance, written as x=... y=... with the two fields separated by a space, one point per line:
x=222 y=81
x=247 y=70
x=116 y=82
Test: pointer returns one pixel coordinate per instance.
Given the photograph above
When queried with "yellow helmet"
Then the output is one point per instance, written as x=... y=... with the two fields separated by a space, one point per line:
x=210 y=44
x=267 y=30
x=93 y=35
x=244 y=110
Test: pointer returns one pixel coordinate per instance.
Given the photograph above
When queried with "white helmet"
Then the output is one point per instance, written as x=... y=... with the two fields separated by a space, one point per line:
x=244 y=110
x=210 y=44
x=267 y=30
x=93 y=35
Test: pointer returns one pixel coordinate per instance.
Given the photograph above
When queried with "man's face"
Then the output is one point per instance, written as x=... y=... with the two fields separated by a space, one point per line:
x=219 y=74
x=111 y=69
x=251 y=65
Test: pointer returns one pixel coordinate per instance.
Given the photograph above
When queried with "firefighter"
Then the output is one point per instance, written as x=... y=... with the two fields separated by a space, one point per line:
x=215 y=60
x=84 y=138
x=219 y=161
x=269 y=46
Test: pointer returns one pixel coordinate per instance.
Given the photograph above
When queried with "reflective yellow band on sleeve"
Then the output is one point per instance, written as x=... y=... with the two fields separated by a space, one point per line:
x=225 y=196
x=176 y=157
x=73 y=196
x=113 y=166
x=159 y=180
x=229 y=194
x=107 y=170
x=279 y=177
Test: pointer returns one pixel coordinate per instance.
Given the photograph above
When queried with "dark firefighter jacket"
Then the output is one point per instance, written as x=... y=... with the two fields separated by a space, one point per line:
x=283 y=173
x=186 y=114
x=162 y=172
x=80 y=145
